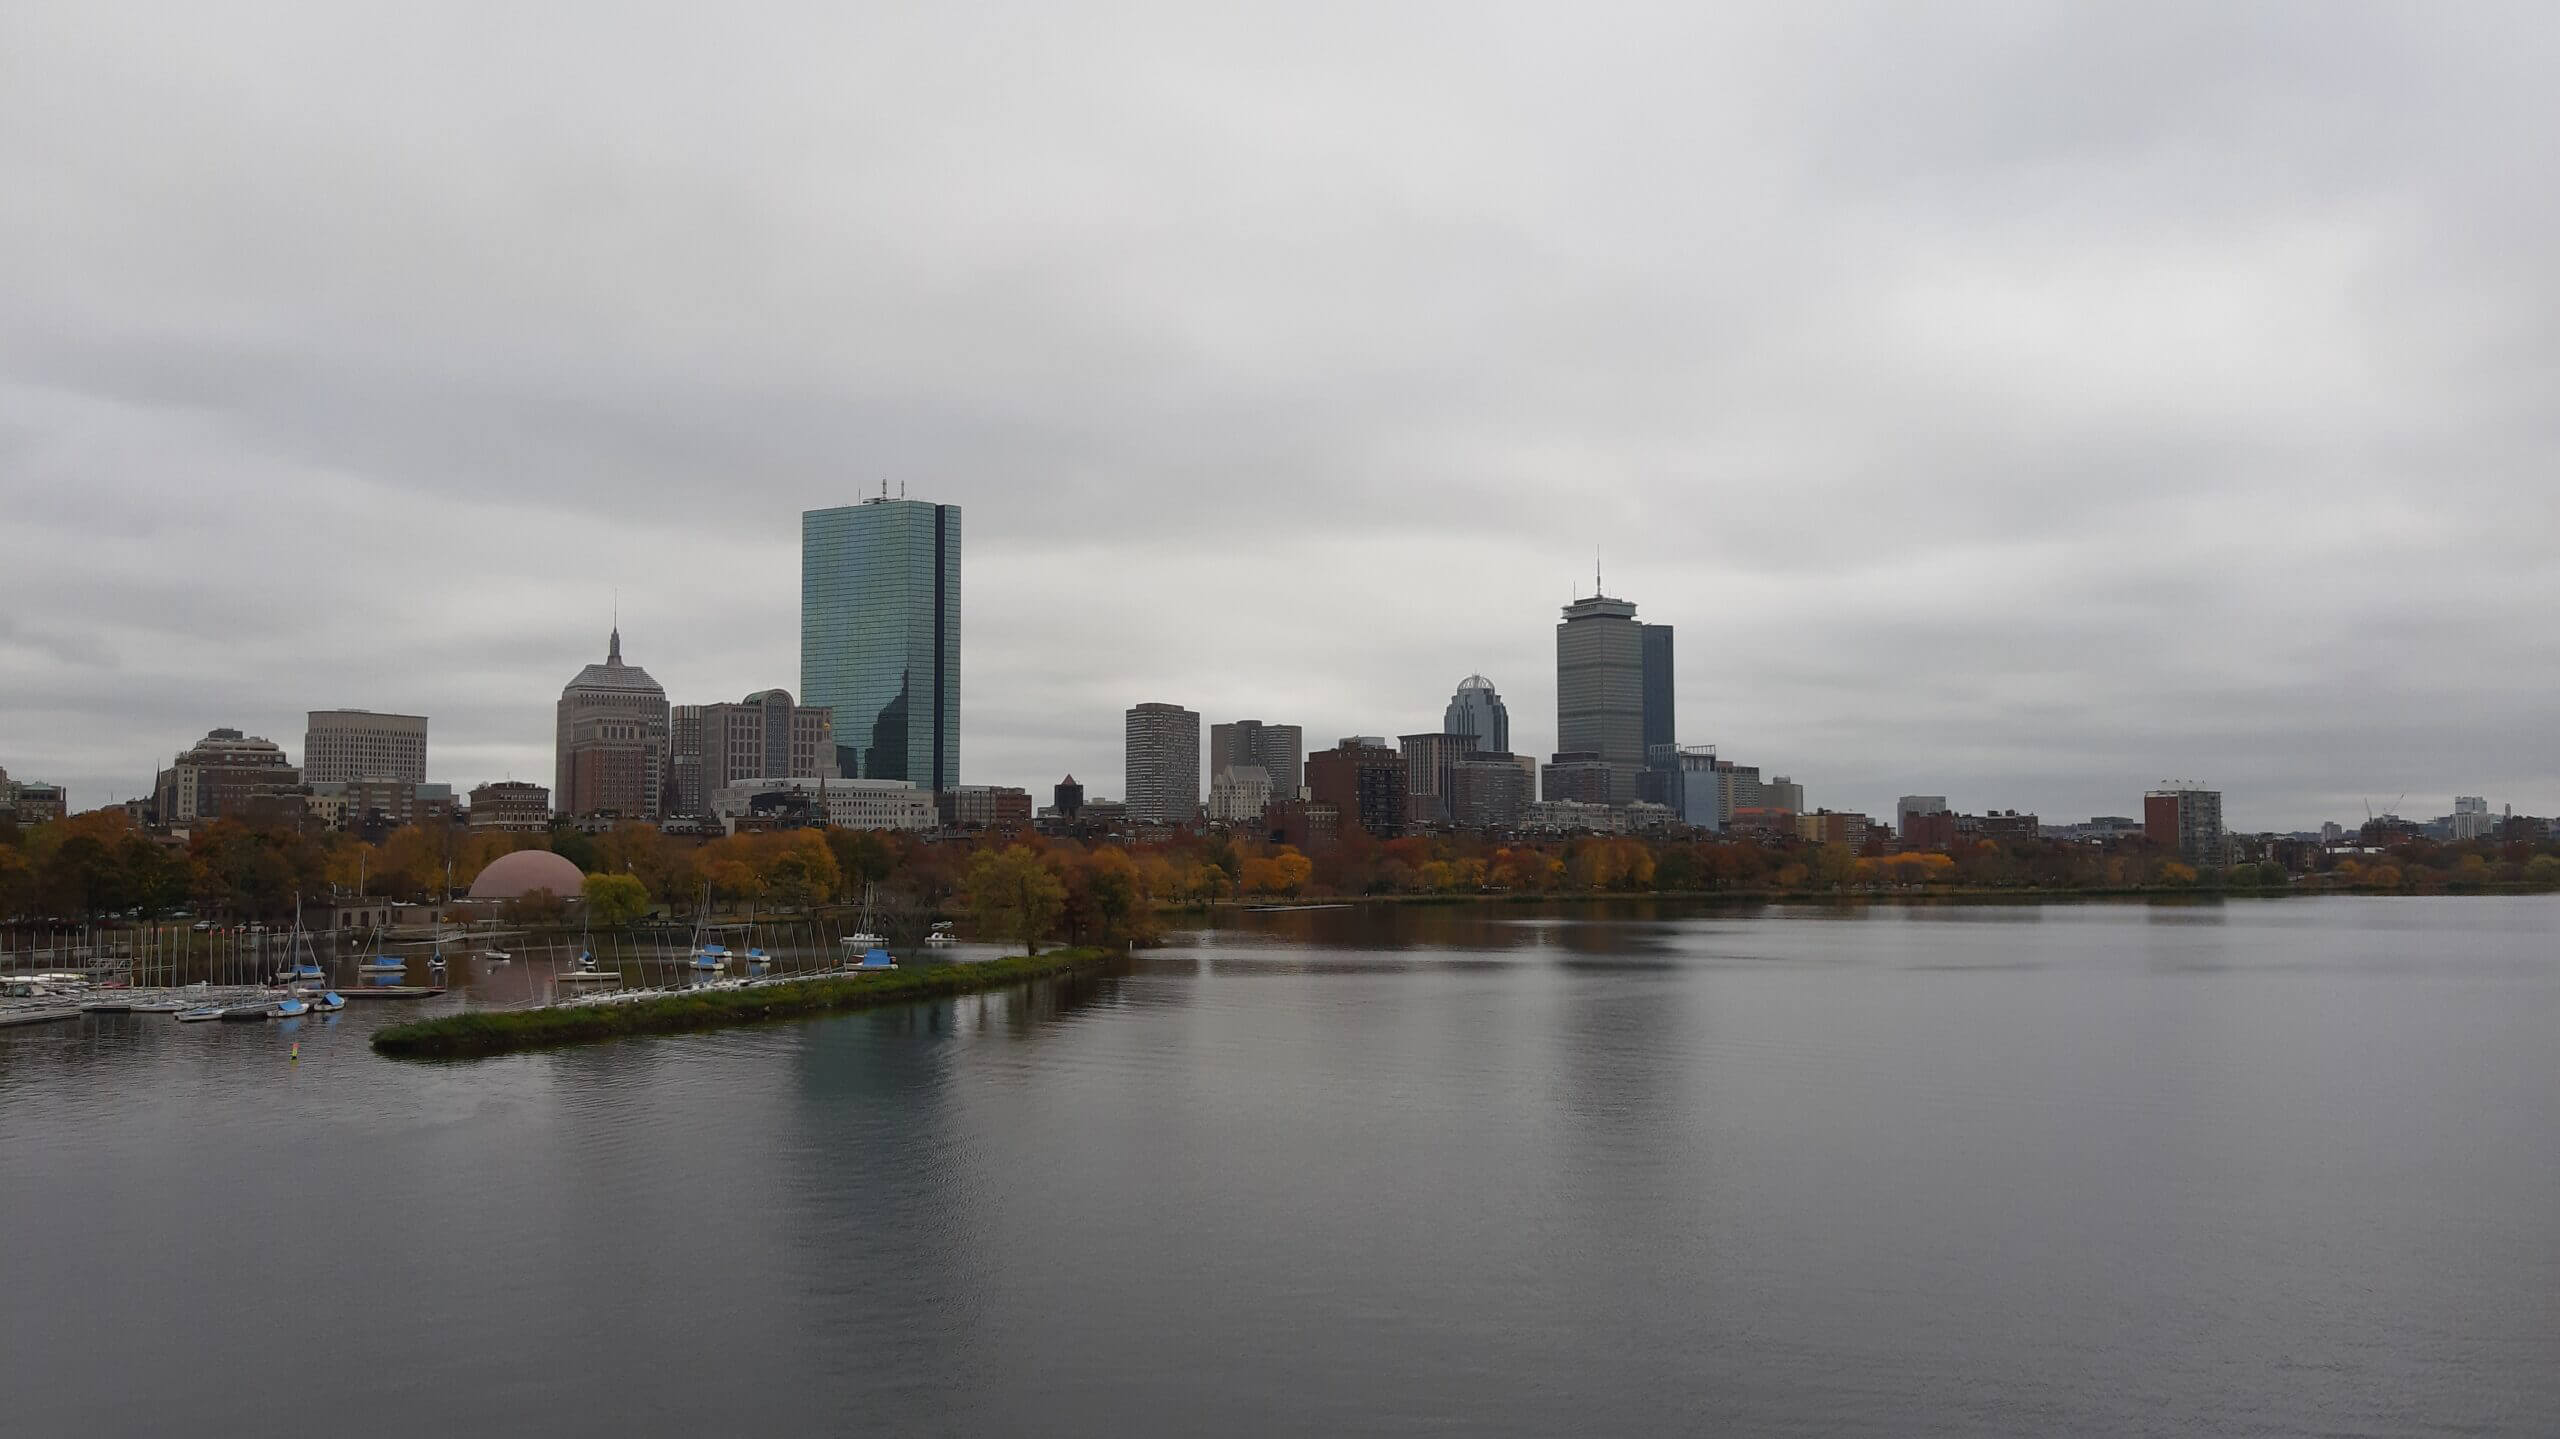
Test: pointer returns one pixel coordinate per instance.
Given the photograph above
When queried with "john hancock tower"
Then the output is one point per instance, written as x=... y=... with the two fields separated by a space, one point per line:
x=880 y=636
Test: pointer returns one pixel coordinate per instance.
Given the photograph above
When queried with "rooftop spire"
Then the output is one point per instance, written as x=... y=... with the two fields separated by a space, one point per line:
x=613 y=649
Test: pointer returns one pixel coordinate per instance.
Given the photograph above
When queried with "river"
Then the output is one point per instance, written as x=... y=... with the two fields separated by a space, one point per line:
x=2261 y=1167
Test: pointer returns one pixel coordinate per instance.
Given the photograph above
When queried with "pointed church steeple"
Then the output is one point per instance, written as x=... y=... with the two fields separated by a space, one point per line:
x=613 y=651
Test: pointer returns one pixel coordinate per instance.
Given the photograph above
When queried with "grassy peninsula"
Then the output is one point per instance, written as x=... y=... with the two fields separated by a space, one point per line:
x=502 y=1031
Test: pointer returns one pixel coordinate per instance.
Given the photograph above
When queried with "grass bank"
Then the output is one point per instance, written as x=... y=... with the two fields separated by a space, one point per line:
x=502 y=1031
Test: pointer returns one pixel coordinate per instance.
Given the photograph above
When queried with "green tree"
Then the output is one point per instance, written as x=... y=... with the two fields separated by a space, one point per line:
x=614 y=900
x=1012 y=895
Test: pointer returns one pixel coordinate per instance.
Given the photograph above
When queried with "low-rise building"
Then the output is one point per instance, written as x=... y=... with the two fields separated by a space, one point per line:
x=1239 y=793
x=985 y=806
x=511 y=806
x=1830 y=827
x=29 y=803
x=1579 y=777
x=840 y=803
x=1311 y=825
x=1489 y=791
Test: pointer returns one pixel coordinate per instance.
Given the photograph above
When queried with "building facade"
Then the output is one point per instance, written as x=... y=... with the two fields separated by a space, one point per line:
x=880 y=636
x=763 y=736
x=351 y=744
x=1578 y=777
x=510 y=806
x=1477 y=709
x=984 y=806
x=28 y=803
x=1429 y=764
x=612 y=741
x=1914 y=804
x=1279 y=749
x=1240 y=793
x=840 y=803
x=1067 y=798
x=1364 y=782
x=1489 y=791
x=1162 y=748
x=1600 y=689
x=2188 y=820
x=220 y=776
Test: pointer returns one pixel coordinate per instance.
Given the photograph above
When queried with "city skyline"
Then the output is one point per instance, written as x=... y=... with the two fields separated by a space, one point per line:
x=2191 y=429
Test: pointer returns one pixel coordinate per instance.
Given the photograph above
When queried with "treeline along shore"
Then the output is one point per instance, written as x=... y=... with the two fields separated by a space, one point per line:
x=501 y=1031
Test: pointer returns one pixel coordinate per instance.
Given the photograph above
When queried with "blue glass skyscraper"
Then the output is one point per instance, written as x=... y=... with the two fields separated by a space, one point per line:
x=880 y=636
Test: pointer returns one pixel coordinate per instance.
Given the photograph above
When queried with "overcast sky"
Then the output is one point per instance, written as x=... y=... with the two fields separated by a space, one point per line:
x=2021 y=403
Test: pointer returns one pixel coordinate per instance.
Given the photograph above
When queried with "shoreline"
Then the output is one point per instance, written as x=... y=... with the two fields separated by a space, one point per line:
x=475 y=1034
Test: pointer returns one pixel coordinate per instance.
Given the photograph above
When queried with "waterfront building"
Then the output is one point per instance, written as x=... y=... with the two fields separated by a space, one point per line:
x=1280 y=750
x=1068 y=798
x=1825 y=827
x=28 y=803
x=840 y=803
x=1911 y=804
x=1600 y=689
x=510 y=806
x=1701 y=789
x=880 y=636
x=1477 y=709
x=220 y=776
x=1783 y=793
x=612 y=741
x=2471 y=818
x=1163 y=757
x=1364 y=781
x=354 y=744
x=1428 y=787
x=1490 y=791
x=1579 y=776
x=1240 y=792
x=715 y=745
x=2009 y=824
x=984 y=806
x=2187 y=819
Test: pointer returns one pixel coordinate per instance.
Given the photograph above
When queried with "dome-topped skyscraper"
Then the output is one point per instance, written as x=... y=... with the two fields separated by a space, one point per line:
x=612 y=740
x=1477 y=709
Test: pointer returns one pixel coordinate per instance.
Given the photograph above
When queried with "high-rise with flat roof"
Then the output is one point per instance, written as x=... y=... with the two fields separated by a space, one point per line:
x=764 y=736
x=1280 y=750
x=2187 y=819
x=880 y=636
x=1600 y=689
x=1163 y=764
x=343 y=745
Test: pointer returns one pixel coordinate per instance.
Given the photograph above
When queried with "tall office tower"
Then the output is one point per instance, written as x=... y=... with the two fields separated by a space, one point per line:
x=1363 y=781
x=880 y=636
x=1429 y=785
x=612 y=741
x=1600 y=688
x=1068 y=797
x=1280 y=750
x=1477 y=709
x=1783 y=793
x=2187 y=818
x=764 y=736
x=1163 y=764
x=343 y=745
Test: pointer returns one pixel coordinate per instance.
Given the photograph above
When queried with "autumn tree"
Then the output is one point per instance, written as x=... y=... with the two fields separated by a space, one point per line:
x=1013 y=895
x=614 y=901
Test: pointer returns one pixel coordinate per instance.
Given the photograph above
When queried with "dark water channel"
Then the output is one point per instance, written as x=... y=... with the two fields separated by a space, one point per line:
x=2255 y=1168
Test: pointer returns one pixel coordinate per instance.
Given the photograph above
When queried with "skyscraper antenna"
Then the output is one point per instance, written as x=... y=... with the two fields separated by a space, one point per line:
x=1595 y=572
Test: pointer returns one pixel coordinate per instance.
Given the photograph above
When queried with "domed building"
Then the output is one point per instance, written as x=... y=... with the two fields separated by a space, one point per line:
x=513 y=876
x=612 y=741
x=1477 y=709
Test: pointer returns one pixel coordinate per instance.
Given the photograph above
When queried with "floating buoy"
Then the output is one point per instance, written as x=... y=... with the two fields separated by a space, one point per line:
x=297 y=1051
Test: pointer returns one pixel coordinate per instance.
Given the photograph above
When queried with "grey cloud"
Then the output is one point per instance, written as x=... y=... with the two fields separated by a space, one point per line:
x=2028 y=404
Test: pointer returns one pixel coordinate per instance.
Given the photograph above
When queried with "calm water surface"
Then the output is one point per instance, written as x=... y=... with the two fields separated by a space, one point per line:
x=2256 y=1168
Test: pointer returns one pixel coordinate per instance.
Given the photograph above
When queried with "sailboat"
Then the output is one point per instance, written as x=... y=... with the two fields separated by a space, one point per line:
x=306 y=968
x=585 y=970
x=866 y=938
x=706 y=956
